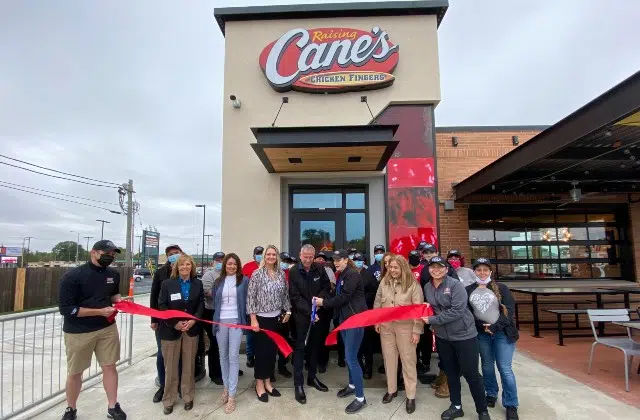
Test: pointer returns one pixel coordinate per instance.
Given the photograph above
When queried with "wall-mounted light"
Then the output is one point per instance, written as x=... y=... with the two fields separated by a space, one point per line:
x=235 y=102
x=449 y=205
x=515 y=140
x=454 y=141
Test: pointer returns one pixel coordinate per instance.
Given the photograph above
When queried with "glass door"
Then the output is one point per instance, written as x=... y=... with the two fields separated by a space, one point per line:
x=322 y=230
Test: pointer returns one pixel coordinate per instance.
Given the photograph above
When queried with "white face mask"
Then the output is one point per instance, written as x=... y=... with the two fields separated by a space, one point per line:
x=483 y=282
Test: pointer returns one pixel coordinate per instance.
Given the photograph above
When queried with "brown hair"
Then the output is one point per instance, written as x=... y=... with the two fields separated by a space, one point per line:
x=223 y=272
x=496 y=291
x=174 y=271
x=385 y=255
x=406 y=276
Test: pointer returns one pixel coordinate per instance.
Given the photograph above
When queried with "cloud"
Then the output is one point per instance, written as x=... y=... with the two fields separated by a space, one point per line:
x=124 y=90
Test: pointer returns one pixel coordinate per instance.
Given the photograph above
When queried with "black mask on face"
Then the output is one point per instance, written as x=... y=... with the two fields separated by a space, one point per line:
x=105 y=260
x=414 y=260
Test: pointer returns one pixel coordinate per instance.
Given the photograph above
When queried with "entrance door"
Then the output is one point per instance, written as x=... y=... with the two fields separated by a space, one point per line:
x=323 y=230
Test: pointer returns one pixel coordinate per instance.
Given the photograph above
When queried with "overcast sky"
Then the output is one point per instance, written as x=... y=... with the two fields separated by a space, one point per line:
x=123 y=89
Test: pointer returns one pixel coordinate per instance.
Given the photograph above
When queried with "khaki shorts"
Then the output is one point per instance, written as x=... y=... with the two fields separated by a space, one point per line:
x=105 y=343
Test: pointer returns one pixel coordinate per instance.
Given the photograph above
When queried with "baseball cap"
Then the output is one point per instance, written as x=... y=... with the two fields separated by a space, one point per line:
x=415 y=253
x=258 y=250
x=378 y=248
x=437 y=260
x=339 y=254
x=284 y=256
x=454 y=252
x=358 y=256
x=322 y=254
x=482 y=261
x=293 y=259
x=421 y=245
x=429 y=248
x=352 y=250
x=173 y=246
x=218 y=255
x=105 y=245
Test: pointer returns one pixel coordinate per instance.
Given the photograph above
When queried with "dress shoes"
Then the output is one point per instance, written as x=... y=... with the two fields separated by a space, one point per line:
x=301 y=397
x=315 y=382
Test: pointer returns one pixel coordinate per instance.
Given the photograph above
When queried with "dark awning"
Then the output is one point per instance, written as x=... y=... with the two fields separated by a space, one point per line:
x=595 y=149
x=325 y=149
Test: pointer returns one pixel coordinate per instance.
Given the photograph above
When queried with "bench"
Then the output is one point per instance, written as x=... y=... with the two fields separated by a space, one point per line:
x=576 y=313
x=546 y=302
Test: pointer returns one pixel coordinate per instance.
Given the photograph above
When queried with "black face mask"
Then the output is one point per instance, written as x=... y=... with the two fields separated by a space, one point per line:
x=105 y=260
x=414 y=260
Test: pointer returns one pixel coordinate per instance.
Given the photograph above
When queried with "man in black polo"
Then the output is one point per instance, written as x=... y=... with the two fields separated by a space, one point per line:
x=86 y=296
x=306 y=280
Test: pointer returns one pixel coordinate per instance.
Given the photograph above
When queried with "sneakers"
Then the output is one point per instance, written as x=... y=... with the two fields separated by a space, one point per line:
x=443 y=390
x=491 y=401
x=346 y=391
x=512 y=413
x=439 y=380
x=157 y=397
x=452 y=413
x=355 y=406
x=116 y=413
x=484 y=416
x=70 y=414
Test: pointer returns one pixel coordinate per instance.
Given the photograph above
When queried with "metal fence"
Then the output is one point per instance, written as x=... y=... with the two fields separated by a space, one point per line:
x=33 y=367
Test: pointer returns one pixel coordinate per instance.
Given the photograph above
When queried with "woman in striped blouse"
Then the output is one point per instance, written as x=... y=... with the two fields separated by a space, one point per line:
x=268 y=305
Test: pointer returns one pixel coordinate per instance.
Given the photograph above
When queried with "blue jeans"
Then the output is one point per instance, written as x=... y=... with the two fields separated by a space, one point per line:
x=352 y=339
x=496 y=350
x=229 y=340
x=249 y=345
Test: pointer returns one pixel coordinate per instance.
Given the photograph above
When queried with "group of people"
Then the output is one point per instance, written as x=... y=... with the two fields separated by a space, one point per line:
x=299 y=298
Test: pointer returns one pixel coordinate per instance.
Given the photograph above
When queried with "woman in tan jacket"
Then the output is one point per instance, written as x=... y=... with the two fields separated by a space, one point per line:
x=399 y=288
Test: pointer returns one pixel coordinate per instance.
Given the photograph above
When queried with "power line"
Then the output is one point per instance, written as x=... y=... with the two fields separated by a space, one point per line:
x=59 y=172
x=55 y=176
x=53 y=192
x=62 y=199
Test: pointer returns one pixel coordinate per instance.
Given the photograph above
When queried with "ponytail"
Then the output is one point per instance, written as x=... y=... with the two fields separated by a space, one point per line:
x=496 y=291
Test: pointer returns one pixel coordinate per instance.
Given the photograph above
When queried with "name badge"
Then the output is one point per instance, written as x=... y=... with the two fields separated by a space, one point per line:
x=176 y=296
x=109 y=280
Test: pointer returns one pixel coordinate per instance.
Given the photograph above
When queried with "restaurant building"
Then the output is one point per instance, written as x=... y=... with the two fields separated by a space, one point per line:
x=329 y=138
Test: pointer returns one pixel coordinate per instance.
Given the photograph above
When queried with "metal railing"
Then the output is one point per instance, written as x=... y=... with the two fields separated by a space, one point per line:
x=33 y=364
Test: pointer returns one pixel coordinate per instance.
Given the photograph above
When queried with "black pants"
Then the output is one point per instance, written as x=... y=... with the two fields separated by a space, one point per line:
x=368 y=347
x=462 y=357
x=200 y=354
x=425 y=347
x=285 y=331
x=213 y=357
x=264 y=349
x=311 y=350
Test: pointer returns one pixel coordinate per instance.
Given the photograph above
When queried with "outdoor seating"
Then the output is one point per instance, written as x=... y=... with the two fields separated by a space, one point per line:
x=627 y=345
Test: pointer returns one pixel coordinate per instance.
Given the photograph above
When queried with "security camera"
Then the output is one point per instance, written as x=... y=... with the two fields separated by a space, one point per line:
x=235 y=101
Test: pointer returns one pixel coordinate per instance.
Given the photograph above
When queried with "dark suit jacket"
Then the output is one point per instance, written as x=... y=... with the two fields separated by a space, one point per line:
x=351 y=299
x=193 y=306
x=301 y=291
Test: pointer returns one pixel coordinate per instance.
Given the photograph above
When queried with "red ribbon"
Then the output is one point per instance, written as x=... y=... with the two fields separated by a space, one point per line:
x=378 y=316
x=137 y=309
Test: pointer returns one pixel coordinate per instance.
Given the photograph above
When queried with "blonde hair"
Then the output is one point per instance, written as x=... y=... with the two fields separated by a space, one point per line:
x=406 y=276
x=182 y=258
x=263 y=262
x=382 y=269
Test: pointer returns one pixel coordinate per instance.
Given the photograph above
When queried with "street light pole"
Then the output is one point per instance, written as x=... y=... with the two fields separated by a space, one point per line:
x=77 y=244
x=204 y=224
x=102 y=232
x=88 y=238
x=208 y=237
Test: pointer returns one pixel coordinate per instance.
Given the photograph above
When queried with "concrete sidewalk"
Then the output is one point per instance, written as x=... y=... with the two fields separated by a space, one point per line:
x=544 y=394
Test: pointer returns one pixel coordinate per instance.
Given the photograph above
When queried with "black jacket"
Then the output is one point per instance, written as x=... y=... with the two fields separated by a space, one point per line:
x=505 y=323
x=350 y=300
x=370 y=284
x=425 y=276
x=302 y=290
x=159 y=277
x=171 y=298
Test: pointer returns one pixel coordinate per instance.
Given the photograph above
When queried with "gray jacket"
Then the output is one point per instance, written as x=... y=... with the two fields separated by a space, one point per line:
x=207 y=284
x=453 y=321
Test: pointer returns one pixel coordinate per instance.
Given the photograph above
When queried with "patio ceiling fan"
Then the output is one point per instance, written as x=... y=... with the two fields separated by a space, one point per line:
x=575 y=195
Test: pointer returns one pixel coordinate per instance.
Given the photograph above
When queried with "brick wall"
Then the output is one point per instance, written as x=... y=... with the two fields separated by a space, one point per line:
x=475 y=150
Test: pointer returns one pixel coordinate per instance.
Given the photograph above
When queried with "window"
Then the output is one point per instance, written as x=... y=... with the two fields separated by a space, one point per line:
x=525 y=243
x=317 y=200
x=355 y=201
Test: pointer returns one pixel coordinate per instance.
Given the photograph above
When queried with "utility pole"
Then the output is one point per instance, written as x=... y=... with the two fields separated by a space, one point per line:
x=87 y=238
x=77 y=244
x=204 y=224
x=25 y=258
x=140 y=249
x=102 y=232
x=127 y=255
x=208 y=237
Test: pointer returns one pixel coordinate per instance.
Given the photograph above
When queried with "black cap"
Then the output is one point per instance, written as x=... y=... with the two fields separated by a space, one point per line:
x=258 y=250
x=429 y=248
x=322 y=254
x=284 y=256
x=170 y=247
x=105 y=245
x=438 y=260
x=482 y=261
x=379 y=248
x=293 y=259
x=414 y=253
x=352 y=250
x=218 y=255
x=339 y=254
x=358 y=256
x=454 y=252
x=421 y=245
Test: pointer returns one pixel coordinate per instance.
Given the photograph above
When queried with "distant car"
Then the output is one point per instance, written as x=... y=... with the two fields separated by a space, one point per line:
x=140 y=274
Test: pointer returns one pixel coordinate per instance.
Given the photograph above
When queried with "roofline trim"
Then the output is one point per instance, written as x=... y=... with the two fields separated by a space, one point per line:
x=490 y=128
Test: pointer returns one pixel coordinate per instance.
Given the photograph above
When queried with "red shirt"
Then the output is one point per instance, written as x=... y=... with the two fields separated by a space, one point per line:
x=416 y=272
x=286 y=275
x=249 y=268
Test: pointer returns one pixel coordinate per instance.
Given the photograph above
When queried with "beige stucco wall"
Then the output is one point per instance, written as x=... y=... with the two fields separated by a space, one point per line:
x=251 y=199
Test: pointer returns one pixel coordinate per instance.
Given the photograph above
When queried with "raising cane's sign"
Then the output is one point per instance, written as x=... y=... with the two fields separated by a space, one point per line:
x=330 y=60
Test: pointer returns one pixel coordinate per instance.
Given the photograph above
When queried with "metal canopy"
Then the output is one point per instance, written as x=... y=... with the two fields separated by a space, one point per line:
x=595 y=149
x=325 y=148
